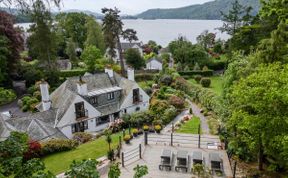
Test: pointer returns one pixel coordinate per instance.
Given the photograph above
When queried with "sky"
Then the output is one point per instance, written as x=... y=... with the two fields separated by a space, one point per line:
x=130 y=7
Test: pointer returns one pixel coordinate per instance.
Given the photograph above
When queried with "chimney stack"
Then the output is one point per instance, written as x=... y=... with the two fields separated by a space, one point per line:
x=82 y=87
x=130 y=74
x=109 y=72
x=44 y=88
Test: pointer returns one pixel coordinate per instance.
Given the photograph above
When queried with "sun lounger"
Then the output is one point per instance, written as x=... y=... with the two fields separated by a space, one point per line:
x=182 y=160
x=166 y=159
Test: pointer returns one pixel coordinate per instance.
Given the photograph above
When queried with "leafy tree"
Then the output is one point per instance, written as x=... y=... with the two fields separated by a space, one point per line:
x=12 y=162
x=259 y=114
x=113 y=28
x=71 y=51
x=130 y=35
x=11 y=45
x=90 y=56
x=206 y=39
x=114 y=171
x=236 y=17
x=83 y=169
x=94 y=34
x=73 y=25
x=42 y=41
x=153 y=45
x=140 y=171
x=134 y=58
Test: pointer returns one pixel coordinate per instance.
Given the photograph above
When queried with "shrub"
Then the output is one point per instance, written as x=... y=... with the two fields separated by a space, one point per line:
x=82 y=137
x=127 y=137
x=148 y=91
x=206 y=73
x=198 y=78
x=158 y=106
x=29 y=103
x=6 y=96
x=140 y=118
x=177 y=102
x=143 y=77
x=135 y=131
x=190 y=111
x=205 y=68
x=196 y=67
x=34 y=150
x=157 y=127
x=72 y=73
x=169 y=115
x=186 y=69
x=145 y=127
x=205 y=82
x=58 y=145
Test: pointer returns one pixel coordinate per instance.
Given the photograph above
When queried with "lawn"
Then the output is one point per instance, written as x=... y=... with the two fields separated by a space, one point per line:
x=216 y=84
x=59 y=162
x=190 y=127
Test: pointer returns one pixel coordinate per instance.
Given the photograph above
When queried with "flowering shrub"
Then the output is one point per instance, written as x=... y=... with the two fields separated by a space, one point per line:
x=34 y=150
x=158 y=127
x=116 y=125
x=176 y=101
x=127 y=137
x=135 y=131
x=145 y=127
x=82 y=137
x=58 y=145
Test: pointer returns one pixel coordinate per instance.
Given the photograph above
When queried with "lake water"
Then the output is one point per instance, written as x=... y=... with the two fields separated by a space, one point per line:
x=163 y=31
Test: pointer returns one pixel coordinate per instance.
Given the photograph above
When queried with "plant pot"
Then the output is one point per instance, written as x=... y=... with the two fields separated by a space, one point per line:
x=135 y=134
x=127 y=141
x=158 y=131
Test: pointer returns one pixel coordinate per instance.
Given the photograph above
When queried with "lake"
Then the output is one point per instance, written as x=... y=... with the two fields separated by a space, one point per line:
x=163 y=31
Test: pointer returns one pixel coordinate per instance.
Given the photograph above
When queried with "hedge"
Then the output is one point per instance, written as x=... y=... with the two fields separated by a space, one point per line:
x=206 y=73
x=72 y=73
x=6 y=96
x=143 y=77
x=217 y=65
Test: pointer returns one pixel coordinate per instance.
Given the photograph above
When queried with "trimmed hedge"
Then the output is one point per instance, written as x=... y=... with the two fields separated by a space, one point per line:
x=58 y=145
x=143 y=77
x=206 y=73
x=72 y=73
x=205 y=82
x=217 y=65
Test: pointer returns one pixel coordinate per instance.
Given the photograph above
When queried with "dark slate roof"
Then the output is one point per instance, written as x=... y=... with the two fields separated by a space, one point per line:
x=154 y=58
x=127 y=45
x=39 y=126
x=5 y=129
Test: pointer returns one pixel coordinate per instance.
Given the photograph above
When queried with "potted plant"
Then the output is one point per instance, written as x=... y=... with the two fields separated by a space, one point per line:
x=135 y=132
x=145 y=128
x=127 y=139
x=158 y=128
x=140 y=131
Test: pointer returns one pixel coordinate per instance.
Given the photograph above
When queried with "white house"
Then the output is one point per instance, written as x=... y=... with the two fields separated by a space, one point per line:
x=85 y=104
x=154 y=64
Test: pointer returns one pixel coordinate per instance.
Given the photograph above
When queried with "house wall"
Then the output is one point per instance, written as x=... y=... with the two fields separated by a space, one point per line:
x=130 y=106
x=69 y=117
x=154 y=64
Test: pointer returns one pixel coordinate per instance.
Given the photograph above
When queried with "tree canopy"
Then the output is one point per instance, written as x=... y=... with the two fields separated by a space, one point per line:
x=134 y=58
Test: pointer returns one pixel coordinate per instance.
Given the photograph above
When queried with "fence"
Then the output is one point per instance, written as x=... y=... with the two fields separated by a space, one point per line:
x=132 y=155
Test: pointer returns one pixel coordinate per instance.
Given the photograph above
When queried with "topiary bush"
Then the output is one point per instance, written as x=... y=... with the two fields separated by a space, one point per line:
x=198 y=78
x=58 y=145
x=82 y=137
x=205 y=82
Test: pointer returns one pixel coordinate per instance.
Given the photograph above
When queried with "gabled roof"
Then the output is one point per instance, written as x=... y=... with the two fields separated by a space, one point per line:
x=153 y=58
x=39 y=126
x=127 y=45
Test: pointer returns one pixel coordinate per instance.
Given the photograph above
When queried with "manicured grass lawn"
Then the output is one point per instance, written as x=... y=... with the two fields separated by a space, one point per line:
x=190 y=127
x=216 y=84
x=59 y=162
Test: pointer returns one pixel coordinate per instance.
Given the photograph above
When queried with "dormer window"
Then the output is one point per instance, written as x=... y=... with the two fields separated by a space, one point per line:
x=93 y=100
x=136 y=95
x=110 y=96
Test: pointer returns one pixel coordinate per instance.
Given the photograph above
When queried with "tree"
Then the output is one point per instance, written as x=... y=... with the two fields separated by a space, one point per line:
x=259 y=114
x=206 y=39
x=237 y=16
x=42 y=41
x=113 y=28
x=114 y=171
x=90 y=56
x=11 y=46
x=83 y=169
x=130 y=35
x=140 y=171
x=71 y=51
x=134 y=58
x=94 y=34
x=11 y=159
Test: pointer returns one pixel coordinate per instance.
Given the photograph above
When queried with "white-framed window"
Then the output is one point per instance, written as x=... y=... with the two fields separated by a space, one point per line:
x=110 y=96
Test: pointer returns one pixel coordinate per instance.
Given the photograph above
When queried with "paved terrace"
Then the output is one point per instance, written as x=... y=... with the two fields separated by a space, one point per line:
x=151 y=158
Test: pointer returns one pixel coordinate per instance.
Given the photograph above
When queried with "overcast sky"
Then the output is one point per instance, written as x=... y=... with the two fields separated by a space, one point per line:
x=126 y=6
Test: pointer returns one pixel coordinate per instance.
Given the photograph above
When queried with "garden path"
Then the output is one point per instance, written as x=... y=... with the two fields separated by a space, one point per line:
x=197 y=112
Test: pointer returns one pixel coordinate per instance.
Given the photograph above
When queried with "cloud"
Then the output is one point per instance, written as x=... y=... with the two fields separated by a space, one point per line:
x=126 y=6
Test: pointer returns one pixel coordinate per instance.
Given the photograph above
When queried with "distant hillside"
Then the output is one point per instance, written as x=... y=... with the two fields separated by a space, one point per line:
x=209 y=10
x=19 y=17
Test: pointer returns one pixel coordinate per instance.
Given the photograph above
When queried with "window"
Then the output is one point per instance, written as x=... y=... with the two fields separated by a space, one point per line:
x=93 y=100
x=136 y=95
x=79 y=127
x=102 y=120
x=137 y=109
x=110 y=96
x=80 y=110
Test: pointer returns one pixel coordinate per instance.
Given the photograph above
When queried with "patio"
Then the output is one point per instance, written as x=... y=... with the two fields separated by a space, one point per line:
x=152 y=158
